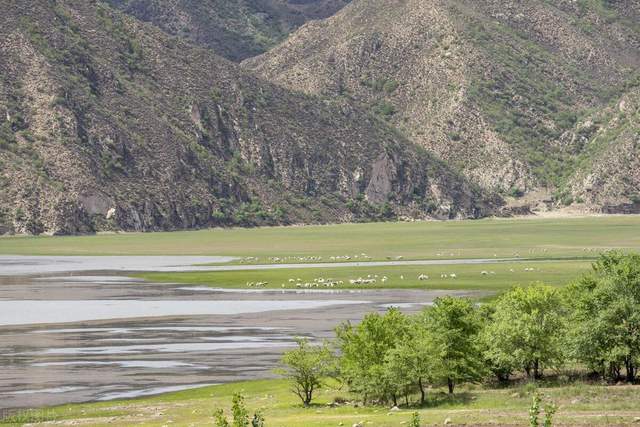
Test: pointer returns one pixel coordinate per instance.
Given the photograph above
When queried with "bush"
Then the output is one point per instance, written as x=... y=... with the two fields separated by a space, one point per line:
x=384 y=109
x=516 y=192
x=415 y=420
x=305 y=367
x=390 y=86
x=239 y=413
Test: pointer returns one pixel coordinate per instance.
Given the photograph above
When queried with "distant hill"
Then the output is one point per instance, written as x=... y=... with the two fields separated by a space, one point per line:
x=235 y=29
x=503 y=90
x=107 y=123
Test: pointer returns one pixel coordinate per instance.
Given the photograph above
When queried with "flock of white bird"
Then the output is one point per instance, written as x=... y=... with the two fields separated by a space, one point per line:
x=370 y=279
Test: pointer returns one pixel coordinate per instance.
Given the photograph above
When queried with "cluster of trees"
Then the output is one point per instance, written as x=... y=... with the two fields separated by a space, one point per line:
x=593 y=323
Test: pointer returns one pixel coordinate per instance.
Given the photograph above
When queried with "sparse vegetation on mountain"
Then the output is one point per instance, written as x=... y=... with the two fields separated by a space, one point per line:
x=110 y=124
x=122 y=114
x=234 y=29
x=502 y=90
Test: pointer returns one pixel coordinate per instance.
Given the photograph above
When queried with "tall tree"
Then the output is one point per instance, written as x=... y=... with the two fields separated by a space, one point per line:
x=453 y=326
x=363 y=350
x=527 y=330
x=409 y=364
x=606 y=316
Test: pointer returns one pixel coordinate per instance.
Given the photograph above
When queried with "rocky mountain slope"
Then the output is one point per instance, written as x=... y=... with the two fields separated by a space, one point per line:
x=108 y=123
x=609 y=168
x=235 y=29
x=132 y=114
x=500 y=89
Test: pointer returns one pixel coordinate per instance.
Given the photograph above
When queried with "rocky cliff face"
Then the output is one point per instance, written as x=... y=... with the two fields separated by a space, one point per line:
x=493 y=87
x=108 y=123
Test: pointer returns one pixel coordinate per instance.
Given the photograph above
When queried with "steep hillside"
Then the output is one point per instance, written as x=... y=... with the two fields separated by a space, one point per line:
x=609 y=169
x=494 y=88
x=107 y=123
x=235 y=29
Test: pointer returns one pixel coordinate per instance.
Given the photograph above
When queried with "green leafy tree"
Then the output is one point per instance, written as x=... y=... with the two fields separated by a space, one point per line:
x=606 y=316
x=409 y=364
x=500 y=367
x=399 y=366
x=306 y=366
x=453 y=326
x=363 y=351
x=528 y=330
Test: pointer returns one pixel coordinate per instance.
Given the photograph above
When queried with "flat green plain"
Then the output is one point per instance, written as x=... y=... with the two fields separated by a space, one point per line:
x=483 y=277
x=528 y=238
x=578 y=404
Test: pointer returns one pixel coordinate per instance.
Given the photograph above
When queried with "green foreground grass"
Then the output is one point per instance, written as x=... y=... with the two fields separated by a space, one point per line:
x=529 y=238
x=499 y=276
x=579 y=404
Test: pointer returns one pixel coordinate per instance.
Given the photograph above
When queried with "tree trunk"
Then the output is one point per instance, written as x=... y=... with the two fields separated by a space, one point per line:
x=536 y=369
x=451 y=385
x=395 y=399
x=631 y=371
x=422 y=394
x=308 y=396
x=614 y=371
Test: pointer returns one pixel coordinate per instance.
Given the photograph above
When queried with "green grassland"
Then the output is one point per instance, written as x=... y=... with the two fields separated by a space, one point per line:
x=530 y=238
x=579 y=404
x=468 y=277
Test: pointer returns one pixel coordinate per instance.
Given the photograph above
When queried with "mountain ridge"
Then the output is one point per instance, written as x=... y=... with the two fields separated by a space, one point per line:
x=114 y=117
x=108 y=124
x=495 y=88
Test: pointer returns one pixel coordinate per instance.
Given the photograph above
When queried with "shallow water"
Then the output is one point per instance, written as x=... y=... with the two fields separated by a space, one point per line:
x=26 y=312
x=11 y=265
x=31 y=264
x=101 y=335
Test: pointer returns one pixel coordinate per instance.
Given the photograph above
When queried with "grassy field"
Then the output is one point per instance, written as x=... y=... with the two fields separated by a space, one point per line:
x=530 y=238
x=499 y=276
x=579 y=404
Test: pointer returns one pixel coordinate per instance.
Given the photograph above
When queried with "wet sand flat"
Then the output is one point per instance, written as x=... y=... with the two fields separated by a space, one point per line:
x=100 y=335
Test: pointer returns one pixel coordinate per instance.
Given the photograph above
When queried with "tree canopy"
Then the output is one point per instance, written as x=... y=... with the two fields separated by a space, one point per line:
x=526 y=331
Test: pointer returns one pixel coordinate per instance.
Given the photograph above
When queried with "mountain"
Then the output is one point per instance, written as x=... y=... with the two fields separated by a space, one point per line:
x=108 y=123
x=499 y=89
x=235 y=29
x=609 y=171
x=158 y=115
